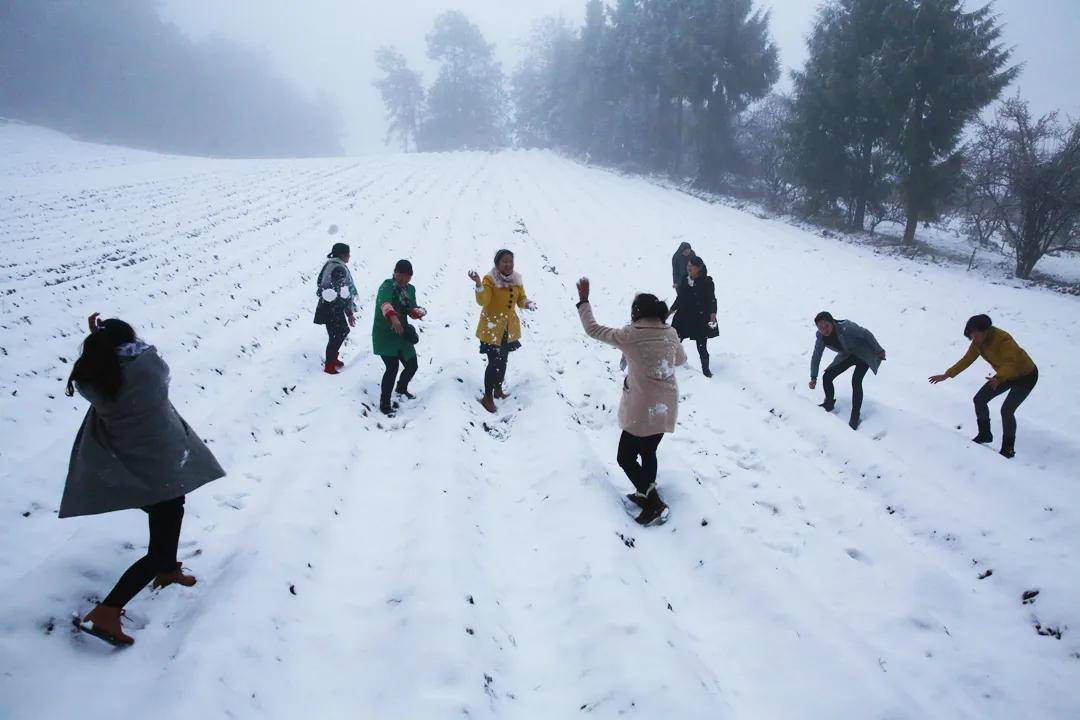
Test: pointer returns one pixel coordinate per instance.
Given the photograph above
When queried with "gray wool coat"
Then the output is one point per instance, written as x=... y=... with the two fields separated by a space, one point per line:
x=855 y=340
x=134 y=450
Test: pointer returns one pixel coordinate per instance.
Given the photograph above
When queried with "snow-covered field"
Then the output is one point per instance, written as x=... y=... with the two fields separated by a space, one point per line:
x=447 y=563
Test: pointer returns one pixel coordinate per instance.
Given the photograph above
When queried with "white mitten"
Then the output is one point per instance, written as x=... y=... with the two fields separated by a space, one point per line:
x=328 y=295
x=344 y=293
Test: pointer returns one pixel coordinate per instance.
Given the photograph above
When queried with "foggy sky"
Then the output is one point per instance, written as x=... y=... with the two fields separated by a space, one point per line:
x=329 y=45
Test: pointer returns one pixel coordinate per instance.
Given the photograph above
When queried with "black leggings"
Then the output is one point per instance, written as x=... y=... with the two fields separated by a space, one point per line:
x=160 y=557
x=643 y=475
x=856 y=381
x=392 y=365
x=336 y=331
x=498 y=356
x=703 y=351
x=1018 y=389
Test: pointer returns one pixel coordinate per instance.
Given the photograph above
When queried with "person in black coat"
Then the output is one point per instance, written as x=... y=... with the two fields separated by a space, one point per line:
x=337 y=304
x=695 y=309
x=678 y=263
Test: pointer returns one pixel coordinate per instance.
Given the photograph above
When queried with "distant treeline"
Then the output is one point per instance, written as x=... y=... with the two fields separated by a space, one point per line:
x=114 y=71
x=873 y=131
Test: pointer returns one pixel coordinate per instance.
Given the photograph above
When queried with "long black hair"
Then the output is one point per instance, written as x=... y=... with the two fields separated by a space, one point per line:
x=99 y=365
x=646 y=305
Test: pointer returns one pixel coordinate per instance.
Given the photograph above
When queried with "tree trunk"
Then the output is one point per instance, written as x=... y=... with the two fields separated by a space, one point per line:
x=858 y=221
x=912 y=225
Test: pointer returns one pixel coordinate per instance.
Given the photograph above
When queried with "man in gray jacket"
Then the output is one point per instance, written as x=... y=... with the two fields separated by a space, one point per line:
x=856 y=347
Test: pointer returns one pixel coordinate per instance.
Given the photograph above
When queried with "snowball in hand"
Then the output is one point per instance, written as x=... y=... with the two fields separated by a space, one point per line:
x=344 y=293
x=329 y=295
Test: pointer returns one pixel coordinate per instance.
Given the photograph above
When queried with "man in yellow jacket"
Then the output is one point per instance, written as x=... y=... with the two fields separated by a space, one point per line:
x=500 y=293
x=1014 y=373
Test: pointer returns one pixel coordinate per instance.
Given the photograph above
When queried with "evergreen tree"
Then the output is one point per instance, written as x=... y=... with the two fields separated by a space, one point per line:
x=544 y=86
x=466 y=105
x=402 y=94
x=952 y=67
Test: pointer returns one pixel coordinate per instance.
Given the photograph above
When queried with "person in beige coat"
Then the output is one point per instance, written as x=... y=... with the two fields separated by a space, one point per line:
x=650 y=400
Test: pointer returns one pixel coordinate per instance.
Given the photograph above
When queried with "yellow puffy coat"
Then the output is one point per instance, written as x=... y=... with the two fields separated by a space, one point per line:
x=499 y=314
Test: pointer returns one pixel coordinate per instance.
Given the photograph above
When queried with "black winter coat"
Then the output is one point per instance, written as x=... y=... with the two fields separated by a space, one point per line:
x=693 y=308
x=334 y=313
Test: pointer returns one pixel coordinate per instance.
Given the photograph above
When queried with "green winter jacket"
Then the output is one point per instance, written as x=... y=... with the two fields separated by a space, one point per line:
x=393 y=300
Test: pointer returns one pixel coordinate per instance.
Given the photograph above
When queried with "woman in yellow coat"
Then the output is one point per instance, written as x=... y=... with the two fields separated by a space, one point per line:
x=1014 y=373
x=500 y=294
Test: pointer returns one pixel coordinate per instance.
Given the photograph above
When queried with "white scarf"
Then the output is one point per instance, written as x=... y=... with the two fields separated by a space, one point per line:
x=505 y=281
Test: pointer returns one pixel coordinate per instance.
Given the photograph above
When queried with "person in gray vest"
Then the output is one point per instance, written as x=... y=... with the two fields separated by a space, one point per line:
x=132 y=451
x=855 y=347
x=337 y=304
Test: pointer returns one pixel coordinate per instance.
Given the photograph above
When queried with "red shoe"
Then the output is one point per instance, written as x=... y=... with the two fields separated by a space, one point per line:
x=339 y=364
x=330 y=368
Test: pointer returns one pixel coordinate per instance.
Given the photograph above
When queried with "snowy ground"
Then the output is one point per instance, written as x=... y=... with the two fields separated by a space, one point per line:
x=447 y=563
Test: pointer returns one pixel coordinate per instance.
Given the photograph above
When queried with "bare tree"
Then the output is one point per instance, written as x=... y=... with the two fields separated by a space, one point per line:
x=1029 y=172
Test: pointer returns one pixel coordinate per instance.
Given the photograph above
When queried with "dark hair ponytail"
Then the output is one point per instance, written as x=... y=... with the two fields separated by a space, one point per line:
x=99 y=365
x=648 y=306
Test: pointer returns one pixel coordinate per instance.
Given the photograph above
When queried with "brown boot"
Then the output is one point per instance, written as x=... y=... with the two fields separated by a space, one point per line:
x=173 y=576
x=330 y=368
x=488 y=403
x=499 y=394
x=104 y=622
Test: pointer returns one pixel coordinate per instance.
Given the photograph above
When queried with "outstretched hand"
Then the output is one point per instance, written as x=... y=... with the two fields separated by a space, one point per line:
x=93 y=322
x=583 y=289
x=475 y=277
x=935 y=379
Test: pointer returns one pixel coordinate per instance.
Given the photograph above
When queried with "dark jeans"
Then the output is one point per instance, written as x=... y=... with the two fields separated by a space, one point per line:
x=631 y=447
x=498 y=356
x=1018 y=389
x=392 y=365
x=165 y=520
x=856 y=381
x=336 y=331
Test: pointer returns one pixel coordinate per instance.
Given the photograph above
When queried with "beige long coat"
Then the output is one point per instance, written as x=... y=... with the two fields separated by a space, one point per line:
x=651 y=349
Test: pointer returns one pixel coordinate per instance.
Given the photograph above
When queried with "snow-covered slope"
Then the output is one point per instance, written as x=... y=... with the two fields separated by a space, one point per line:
x=447 y=563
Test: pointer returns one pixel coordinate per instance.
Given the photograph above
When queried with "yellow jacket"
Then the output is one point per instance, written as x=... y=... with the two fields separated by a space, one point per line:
x=499 y=315
x=1000 y=350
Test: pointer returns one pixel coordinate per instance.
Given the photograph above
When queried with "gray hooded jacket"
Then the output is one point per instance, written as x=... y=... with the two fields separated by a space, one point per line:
x=134 y=450
x=854 y=340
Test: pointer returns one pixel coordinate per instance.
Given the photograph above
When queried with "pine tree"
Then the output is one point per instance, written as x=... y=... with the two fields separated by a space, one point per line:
x=466 y=105
x=951 y=67
x=403 y=96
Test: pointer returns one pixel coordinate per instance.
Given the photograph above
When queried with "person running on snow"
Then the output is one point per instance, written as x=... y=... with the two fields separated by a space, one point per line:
x=499 y=294
x=393 y=338
x=855 y=347
x=650 y=397
x=132 y=451
x=679 y=262
x=695 y=309
x=1014 y=373
x=337 y=304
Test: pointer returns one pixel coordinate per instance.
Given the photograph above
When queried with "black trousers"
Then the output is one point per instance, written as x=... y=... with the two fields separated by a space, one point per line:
x=1018 y=389
x=632 y=447
x=703 y=351
x=392 y=365
x=336 y=331
x=856 y=381
x=165 y=519
x=497 y=358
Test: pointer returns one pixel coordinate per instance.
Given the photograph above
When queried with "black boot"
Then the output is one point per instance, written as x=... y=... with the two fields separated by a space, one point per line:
x=636 y=498
x=653 y=511
x=404 y=392
x=984 y=436
x=828 y=405
x=1008 y=448
x=388 y=408
x=854 y=421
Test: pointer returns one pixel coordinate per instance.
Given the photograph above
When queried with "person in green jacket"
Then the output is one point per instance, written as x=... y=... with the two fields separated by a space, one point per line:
x=393 y=338
x=1014 y=373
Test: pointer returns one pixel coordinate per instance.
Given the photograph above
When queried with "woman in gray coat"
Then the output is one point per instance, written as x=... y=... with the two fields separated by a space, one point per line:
x=132 y=451
x=856 y=347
